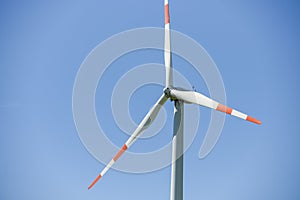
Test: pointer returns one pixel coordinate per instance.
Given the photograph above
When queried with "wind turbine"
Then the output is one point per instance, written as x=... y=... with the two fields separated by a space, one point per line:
x=179 y=96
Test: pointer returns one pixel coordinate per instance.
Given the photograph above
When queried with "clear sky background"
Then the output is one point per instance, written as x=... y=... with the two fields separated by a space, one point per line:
x=255 y=45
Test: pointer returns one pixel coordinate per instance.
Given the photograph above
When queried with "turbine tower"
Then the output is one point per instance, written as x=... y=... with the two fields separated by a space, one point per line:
x=179 y=96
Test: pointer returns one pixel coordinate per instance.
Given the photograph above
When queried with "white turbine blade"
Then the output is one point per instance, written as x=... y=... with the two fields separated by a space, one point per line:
x=167 y=52
x=148 y=119
x=200 y=99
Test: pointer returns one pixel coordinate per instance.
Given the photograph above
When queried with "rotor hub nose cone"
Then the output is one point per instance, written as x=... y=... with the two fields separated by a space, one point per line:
x=167 y=92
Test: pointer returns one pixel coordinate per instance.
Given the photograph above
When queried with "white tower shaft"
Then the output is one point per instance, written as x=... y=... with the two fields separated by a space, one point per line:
x=177 y=153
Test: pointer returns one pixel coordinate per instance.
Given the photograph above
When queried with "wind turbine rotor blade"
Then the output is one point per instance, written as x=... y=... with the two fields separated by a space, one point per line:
x=193 y=98
x=200 y=99
x=167 y=48
x=148 y=119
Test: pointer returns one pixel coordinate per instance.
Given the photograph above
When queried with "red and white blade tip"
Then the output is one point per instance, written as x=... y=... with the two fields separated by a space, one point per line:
x=117 y=156
x=230 y=111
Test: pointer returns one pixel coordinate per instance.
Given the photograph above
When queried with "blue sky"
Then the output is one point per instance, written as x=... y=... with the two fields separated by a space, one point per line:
x=255 y=46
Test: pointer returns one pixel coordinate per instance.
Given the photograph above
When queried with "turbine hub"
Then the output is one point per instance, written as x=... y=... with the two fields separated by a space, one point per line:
x=168 y=94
